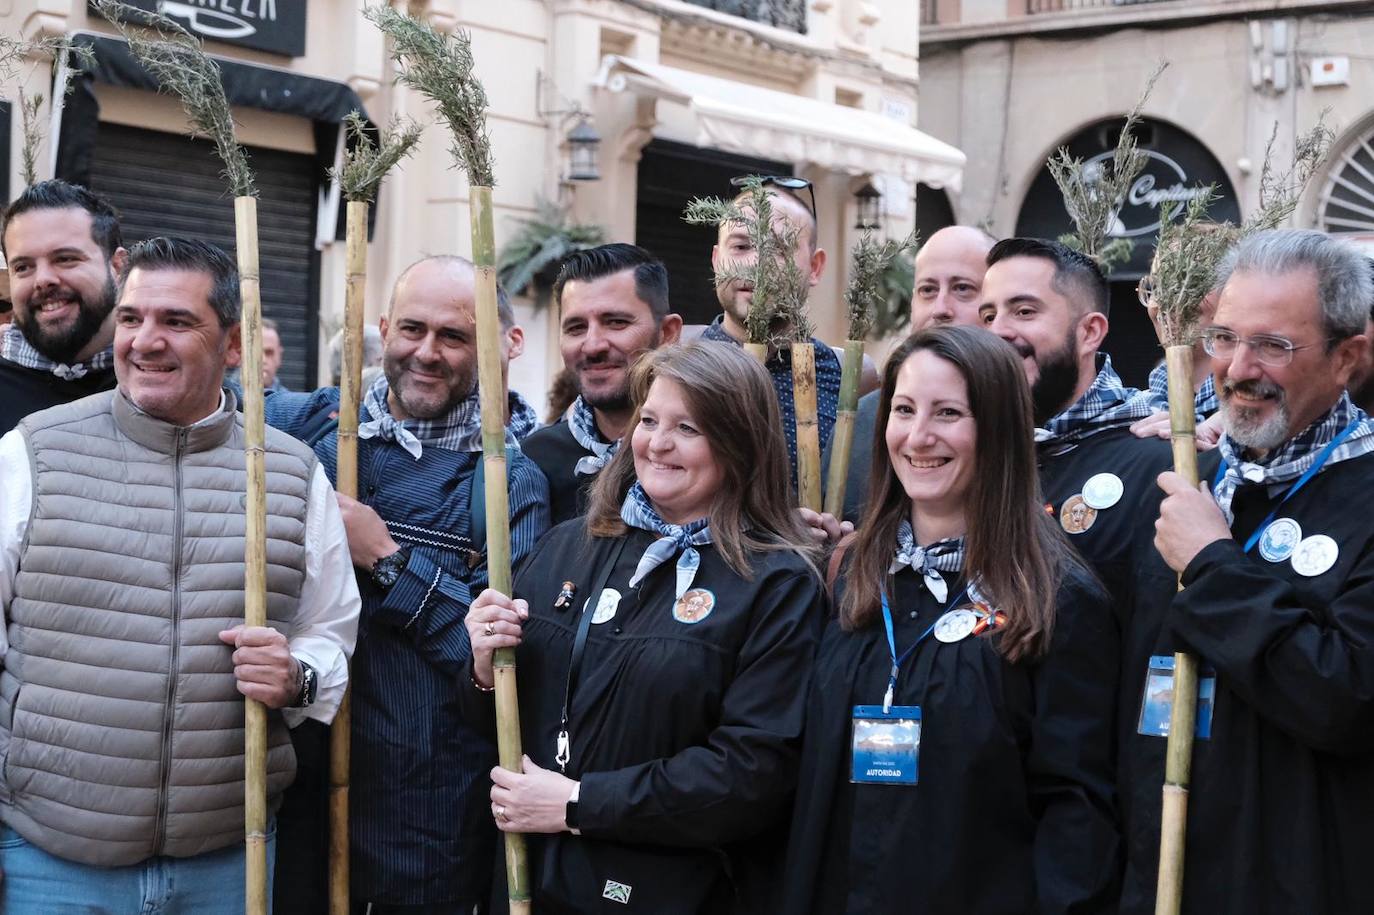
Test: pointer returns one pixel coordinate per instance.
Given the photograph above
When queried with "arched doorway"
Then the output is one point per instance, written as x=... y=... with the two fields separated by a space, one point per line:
x=1178 y=166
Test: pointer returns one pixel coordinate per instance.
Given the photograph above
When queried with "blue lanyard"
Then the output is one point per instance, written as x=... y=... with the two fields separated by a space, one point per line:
x=1292 y=490
x=892 y=643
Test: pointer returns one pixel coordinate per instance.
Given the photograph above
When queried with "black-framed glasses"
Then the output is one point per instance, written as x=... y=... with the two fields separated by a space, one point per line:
x=1268 y=349
x=790 y=182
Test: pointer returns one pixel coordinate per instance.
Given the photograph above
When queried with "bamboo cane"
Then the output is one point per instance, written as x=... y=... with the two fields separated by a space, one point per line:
x=842 y=439
x=255 y=549
x=350 y=397
x=808 y=432
x=492 y=394
x=758 y=350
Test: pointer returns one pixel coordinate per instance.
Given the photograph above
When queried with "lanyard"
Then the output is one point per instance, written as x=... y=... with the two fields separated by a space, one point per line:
x=892 y=643
x=1292 y=490
x=584 y=627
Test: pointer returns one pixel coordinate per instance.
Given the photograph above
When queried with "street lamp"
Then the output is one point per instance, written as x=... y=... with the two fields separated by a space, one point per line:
x=583 y=145
x=867 y=199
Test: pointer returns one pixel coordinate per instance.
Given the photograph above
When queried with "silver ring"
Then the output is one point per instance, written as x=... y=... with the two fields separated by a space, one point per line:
x=490 y=630
x=500 y=812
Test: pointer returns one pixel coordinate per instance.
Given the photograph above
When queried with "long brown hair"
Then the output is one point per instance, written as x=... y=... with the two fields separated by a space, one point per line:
x=1012 y=548
x=732 y=401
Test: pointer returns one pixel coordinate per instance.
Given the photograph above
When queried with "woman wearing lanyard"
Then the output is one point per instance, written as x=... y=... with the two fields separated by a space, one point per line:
x=664 y=648
x=958 y=752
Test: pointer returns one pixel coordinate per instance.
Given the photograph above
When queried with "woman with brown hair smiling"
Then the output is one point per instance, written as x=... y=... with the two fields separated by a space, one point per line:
x=664 y=646
x=959 y=727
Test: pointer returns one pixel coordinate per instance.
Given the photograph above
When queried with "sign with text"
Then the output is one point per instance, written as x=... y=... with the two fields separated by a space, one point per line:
x=275 y=26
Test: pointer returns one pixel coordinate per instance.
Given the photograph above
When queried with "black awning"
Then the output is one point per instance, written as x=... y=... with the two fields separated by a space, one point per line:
x=322 y=101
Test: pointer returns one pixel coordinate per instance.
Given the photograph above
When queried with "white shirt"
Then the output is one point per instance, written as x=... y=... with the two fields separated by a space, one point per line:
x=325 y=625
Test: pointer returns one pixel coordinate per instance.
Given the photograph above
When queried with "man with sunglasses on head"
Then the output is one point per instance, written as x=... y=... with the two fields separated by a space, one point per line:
x=733 y=246
x=1275 y=552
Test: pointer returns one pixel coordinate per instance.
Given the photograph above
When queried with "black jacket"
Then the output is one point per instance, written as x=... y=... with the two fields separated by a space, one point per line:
x=1281 y=812
x=556 y=452
x=28 y=390
x=685 y=736
x=1013 y=811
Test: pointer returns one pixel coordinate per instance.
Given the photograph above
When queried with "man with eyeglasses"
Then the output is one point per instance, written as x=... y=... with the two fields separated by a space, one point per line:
x=733 y=245
x=1275 y=553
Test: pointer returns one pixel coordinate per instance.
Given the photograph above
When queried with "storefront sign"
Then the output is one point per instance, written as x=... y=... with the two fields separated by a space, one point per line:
x=275 y=26
x=1178 y=169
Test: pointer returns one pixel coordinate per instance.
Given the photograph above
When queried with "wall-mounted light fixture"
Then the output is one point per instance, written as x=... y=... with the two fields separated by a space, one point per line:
x=583 y=143
x=867 y=200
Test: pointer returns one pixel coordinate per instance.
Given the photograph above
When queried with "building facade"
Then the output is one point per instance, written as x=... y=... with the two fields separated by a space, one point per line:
x=683 y=96
x=1010 y=81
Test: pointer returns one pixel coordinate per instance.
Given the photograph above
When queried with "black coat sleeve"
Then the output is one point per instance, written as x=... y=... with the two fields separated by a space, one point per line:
x=1308 y=670
x=742 y=779
x=1069 y=766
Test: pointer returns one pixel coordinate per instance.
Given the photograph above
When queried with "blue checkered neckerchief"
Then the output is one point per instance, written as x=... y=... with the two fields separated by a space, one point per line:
x=928 y=562
x=1205 y=401
x=1292 y=459
x=1107 y=404
x=15 y=347
x=639 y=512
x=779 y=366
x=459 y=430
x=523 y=418
x=582 y=425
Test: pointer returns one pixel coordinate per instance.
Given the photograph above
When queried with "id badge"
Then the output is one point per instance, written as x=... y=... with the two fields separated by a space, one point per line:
x=886 y=745
x=1158 y=701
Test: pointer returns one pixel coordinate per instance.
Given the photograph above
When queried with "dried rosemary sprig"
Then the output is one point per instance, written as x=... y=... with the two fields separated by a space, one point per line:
x=180 y=65
x=1184 y=269
x=1279 y=192
x=368 y=161
x=440 y=67
x=1093 y=194
x=868 y=262
x=32 y=127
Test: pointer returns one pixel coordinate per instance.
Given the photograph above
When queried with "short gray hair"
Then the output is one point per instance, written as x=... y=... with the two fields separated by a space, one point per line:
x=1344 y=288
x=372 y=351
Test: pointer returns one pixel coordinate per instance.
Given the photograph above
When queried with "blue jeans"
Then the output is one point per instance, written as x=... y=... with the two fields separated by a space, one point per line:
x=37 y=883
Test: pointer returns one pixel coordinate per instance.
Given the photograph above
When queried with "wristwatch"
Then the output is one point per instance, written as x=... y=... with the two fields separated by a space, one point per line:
x=386 y=570
x=570 y=812
x=307 y=684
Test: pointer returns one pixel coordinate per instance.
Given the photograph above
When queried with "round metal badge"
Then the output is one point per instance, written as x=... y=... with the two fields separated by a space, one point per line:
x=1103 y=490
x=1314 y=555
x=956 y=625
x=694 y=606
x=1279 y=539
x=606 y=605
x=1076 y=515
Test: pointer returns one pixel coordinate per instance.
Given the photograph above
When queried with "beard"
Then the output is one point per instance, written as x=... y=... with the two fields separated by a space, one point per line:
x=425 y=405
x=1056 y=380
x=1244 y=425
x=61 y=344
x=616 y=399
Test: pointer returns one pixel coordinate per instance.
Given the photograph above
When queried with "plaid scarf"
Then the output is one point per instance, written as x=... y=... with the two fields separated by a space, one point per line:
x=928 y=562
x=1292 y=459
x=639 y=512
x=459 y=430
x=1205 y=401
x=582 y=425
x=15 y=347
x=523 y=418
x=1107 y=404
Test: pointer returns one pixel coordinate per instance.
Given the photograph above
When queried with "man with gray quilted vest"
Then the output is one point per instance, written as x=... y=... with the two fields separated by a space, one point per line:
x=122 y=522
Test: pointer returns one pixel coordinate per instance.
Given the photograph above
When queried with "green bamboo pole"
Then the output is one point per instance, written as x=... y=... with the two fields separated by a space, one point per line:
x=255 y=549
x=842 y=440
x=492 y=394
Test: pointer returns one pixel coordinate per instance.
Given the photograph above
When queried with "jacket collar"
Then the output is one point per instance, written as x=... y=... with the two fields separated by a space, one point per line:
x=163 y=437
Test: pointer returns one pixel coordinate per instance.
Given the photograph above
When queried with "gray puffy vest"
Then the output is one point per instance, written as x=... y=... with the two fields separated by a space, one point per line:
x=121 y=729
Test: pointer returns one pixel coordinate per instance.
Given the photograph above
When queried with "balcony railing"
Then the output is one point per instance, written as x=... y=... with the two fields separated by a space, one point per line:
x=785 y=14
x=1067 y=6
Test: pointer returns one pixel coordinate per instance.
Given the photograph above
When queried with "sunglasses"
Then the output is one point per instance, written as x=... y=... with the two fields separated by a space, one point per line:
x=789 y=182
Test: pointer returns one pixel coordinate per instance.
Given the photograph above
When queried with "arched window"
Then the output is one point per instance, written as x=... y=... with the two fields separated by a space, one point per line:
x=1347 y=201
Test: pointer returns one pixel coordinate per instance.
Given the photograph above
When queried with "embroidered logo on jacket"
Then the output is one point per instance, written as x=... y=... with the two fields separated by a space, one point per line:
x=616 y=892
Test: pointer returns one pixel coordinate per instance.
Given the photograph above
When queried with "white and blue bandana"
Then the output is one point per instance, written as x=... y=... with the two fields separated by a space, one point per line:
x=928 y=562
x=1205 y=401
x=582 y=425
x=458 y=430
x=15 y=347
x=1107 y=404
x=639 y=512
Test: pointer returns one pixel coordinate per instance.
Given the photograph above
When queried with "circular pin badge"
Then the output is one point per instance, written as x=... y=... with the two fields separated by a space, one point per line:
x=956 y=625
x=606 y=605
x=1314 y=555
x=1076 y=515
x=1279 y=539
x=1103 y=490
x=694 y=606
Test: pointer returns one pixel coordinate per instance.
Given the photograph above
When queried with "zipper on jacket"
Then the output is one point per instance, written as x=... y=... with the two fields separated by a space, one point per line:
x=169 y=710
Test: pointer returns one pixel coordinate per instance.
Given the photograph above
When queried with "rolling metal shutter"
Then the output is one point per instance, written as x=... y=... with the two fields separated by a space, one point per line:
x=169 y=184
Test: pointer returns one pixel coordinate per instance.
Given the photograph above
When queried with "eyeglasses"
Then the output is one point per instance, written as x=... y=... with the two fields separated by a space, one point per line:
x=790 y=182
x=1268 y=349
x=1145 y=290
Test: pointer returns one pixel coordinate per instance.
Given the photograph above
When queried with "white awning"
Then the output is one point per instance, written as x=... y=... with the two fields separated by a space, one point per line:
x=777 y=125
